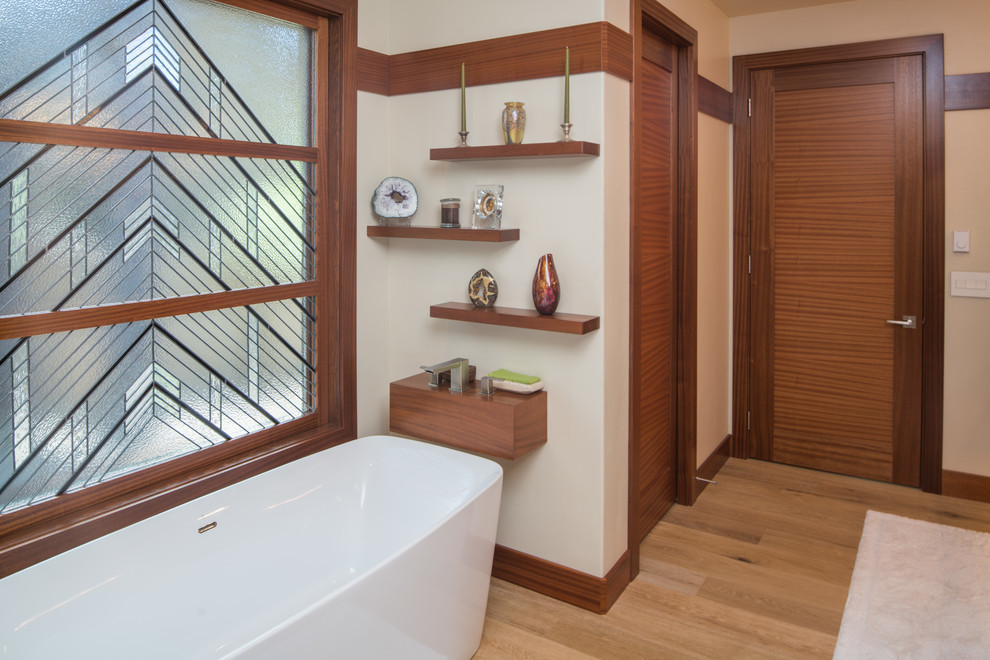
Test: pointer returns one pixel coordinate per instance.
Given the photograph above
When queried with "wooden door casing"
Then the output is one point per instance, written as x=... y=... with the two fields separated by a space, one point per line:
x=919 y=160
x=650 y=17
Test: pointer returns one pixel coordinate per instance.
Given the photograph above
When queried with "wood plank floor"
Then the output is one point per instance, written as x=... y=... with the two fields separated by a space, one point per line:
x=759 y=567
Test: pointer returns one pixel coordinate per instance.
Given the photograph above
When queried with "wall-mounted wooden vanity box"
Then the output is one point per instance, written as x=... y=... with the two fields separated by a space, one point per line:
x=505 y=425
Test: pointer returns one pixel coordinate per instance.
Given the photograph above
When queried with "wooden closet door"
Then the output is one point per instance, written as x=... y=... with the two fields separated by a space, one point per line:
x=654 y=292
x=837 y=267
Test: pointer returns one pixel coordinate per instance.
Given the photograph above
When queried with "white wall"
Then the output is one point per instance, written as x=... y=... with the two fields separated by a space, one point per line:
x=964 y=25
x=564 y=502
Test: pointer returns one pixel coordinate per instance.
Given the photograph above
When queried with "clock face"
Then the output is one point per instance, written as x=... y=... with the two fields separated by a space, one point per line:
x=487 y=204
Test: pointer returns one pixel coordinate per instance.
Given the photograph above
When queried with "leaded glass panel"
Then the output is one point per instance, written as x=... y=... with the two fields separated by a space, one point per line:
x=89 y=405
x=90 y=226
x=185 y=67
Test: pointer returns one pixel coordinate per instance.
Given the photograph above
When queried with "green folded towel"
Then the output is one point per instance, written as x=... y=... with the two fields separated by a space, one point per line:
x=505 y=374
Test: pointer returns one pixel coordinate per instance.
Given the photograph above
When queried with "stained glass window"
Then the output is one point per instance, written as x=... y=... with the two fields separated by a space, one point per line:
x=105 y=228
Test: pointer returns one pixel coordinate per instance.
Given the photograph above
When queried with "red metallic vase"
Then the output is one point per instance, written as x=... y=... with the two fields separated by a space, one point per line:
x=546 y=287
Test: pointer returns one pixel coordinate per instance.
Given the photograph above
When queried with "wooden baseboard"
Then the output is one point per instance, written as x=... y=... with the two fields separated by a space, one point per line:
x=966 y=486
x=710 y=468
x=588 y=592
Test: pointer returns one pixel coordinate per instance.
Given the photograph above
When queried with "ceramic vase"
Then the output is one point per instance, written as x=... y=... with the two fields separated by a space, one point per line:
x=546 y=286
x=513 y=122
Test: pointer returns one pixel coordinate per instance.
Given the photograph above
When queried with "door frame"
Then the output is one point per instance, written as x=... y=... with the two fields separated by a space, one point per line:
x=650 y=15
x=930 y=48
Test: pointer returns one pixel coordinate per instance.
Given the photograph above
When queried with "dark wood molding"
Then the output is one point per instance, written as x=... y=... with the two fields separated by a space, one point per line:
x=710 y=468
x=588 y=592
x=714 y=101
x=372 y=71
x=439 y=68
x=966 y=486
x=968 y=91
x=594 y=47
x=930 y=48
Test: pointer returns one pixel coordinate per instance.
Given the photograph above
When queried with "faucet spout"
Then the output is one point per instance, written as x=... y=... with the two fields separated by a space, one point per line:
x=459 y=373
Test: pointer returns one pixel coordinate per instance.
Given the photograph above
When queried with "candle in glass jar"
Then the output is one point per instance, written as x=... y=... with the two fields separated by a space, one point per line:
x=450 y=210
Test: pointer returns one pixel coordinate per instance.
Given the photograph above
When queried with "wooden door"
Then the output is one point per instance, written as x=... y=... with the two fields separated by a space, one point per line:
x=837 y=263
x=654 y=290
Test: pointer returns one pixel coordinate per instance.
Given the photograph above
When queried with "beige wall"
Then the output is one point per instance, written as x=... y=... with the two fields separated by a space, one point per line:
x=964 y=24
x=565 y=502
x=714 y=232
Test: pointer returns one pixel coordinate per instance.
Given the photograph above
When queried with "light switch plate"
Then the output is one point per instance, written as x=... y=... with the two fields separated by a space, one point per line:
x=960 y=241
x=970 y=285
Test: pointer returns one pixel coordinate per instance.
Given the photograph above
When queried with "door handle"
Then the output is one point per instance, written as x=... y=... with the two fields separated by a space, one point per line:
x=909 y=322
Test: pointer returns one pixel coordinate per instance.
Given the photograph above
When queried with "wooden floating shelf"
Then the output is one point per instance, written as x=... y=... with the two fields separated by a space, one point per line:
x=534 y=150
x=505 y=425
x=574 y=324
x=445 y=234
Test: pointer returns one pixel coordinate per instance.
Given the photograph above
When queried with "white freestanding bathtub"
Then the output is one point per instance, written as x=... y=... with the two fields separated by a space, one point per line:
x=378 y=548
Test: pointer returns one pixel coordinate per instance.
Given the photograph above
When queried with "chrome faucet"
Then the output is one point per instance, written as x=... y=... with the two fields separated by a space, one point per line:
x=459 y=374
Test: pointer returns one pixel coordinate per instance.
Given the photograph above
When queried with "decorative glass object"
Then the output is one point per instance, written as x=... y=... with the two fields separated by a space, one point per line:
x=483 y=289
x=487 y=207
x=546 y=286
x=513 y=122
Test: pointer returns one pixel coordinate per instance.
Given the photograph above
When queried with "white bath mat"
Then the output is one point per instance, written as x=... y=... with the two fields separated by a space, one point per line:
x=919 y=590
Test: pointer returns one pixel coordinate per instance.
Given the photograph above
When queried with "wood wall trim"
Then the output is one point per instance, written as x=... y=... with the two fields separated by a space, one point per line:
x=594 y=47
x=968 y=91
x=372 y=71
x=714 y=463
x=714 y=101
x=966 y=486
x=588 y=592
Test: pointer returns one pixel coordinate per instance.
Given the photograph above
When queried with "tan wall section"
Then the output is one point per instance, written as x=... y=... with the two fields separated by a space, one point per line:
x=964 y=25
x=714 y=232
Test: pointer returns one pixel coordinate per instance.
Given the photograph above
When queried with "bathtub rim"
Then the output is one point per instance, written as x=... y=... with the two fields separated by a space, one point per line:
x=496 y=481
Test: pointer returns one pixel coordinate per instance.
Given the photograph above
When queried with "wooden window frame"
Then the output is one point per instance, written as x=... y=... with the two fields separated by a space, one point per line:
x=35 y=533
